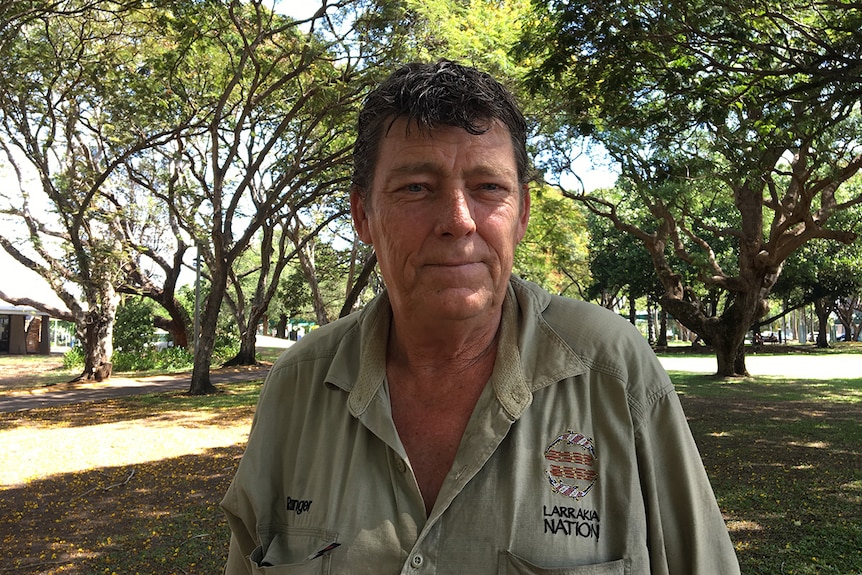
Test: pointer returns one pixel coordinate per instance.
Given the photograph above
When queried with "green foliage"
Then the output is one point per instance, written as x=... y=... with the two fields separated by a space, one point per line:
x=822 y=269
x=553 y=252
x=464 y=31
x=74 y=358
x=152 y=359
x=617 y=261
x=133 y=326
x=293 y=297
x=735 y=127
x=227 y=340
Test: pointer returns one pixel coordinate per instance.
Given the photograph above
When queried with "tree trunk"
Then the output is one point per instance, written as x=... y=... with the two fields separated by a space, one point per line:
x=201 y=384
x=98 y=349
x=306 y=263
x=180 y=323
x=96 y=333
x=662 y=334
x=730 y=358
x=281 y=326
x=247 y=354
x=651 y=337
x=359 y=286
x=725 y=333
x=822 y=309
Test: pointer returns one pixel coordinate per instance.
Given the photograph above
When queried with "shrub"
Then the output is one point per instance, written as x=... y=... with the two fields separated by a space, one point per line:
x=149 y=359
x=133 y=327
x=74 y=358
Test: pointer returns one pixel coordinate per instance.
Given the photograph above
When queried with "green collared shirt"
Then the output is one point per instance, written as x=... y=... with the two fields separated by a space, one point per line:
x=577 y=460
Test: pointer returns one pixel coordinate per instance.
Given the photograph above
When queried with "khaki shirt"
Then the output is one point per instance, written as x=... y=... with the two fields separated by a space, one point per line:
x=577 y=460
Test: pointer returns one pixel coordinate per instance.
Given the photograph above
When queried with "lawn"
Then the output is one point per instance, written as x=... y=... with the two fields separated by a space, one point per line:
x=785 y=459
x=132 y=485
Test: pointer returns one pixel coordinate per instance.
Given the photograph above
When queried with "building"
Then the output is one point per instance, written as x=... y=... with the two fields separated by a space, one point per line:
x=24 y=330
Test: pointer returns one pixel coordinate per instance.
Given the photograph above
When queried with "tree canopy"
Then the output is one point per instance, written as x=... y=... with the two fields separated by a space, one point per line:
x=140 y=131
x=732 y=122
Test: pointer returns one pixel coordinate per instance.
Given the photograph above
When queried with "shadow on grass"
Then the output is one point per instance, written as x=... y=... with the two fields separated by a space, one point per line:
x=787 y=472
x=158 y=517
x=768 y=388
x=235 y=402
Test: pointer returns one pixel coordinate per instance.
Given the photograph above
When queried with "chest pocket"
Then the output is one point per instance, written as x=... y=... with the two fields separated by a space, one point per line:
x=291 y=551
x=513 y=565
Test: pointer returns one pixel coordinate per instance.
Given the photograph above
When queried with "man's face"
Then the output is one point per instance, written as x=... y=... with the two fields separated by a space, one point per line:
x=444 y=214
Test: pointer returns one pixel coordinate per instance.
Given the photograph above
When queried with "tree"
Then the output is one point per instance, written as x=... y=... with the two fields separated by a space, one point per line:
x=752 y=106
x=826 y=275
x=275 y=98
x=73 y=108
x=553 y=252
x=616 y=264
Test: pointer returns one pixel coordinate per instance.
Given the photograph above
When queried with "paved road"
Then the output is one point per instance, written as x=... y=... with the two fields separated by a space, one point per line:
x=66 y=394
x=800 y=366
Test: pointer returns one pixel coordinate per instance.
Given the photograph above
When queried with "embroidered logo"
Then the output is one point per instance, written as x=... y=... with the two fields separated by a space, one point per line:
x=298 y=506
x=571 y=459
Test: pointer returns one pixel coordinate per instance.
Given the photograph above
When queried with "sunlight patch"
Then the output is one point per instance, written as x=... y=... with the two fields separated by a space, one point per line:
x=811 y=444
x=743 y=525
x=29 y=454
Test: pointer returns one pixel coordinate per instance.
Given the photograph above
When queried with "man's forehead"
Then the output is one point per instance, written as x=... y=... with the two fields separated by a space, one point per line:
x=418 y=127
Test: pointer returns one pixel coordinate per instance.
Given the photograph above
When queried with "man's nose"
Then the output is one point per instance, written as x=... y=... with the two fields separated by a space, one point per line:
x=455 y=216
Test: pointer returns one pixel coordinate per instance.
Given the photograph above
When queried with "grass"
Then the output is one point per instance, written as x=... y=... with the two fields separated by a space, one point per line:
x=785 y=460
x=768 y=388
x=139 y=479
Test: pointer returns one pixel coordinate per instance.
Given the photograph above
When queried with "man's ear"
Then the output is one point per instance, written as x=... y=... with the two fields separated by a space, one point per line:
x=525 y=212
x=359 y=214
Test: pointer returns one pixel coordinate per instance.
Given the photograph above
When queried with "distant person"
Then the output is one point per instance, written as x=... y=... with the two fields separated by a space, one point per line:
x=466 y=421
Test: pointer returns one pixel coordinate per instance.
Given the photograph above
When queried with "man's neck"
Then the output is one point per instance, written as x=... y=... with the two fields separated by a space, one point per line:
x=434 y=385
x=443 y=349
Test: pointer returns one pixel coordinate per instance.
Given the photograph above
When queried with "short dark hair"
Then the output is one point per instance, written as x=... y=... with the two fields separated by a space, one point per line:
x=431 y=95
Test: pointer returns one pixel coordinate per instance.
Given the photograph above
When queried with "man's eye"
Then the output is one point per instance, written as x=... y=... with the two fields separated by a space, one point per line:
x=414 y=187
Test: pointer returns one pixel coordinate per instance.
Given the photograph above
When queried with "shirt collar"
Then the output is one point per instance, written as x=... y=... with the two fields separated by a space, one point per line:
x=530 y=354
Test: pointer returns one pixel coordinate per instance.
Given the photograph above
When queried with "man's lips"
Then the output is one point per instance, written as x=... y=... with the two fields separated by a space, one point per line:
x=458 y=264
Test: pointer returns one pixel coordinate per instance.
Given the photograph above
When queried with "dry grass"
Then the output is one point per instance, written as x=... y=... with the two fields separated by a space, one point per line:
x=18 y=372
x=121 y=486
x=132 y=485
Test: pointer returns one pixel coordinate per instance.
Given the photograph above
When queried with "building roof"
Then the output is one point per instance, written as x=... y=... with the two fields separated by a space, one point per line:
x=7 y=308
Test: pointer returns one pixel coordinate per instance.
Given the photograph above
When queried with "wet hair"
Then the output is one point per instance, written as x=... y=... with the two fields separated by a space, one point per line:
x=434 y=95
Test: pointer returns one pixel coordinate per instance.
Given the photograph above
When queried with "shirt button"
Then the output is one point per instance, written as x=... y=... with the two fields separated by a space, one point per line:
x=400 y=465
x=417 y=561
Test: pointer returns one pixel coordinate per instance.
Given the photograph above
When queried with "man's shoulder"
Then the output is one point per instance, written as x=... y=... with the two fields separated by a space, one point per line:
x=321 y=342
x=603 y=340
x=573 y=318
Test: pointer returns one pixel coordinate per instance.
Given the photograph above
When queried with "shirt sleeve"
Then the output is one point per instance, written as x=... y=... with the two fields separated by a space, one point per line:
x=686 y=532
x=242 y=540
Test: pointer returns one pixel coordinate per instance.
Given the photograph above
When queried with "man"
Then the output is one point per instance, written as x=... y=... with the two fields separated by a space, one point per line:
x=466 y=421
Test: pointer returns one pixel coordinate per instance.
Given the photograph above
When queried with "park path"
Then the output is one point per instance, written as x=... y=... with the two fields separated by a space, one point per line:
x=797 y=366
x=67 y=394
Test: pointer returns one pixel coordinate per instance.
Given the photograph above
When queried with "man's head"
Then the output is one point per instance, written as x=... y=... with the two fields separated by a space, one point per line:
x=436 y=95
x=440 y=191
